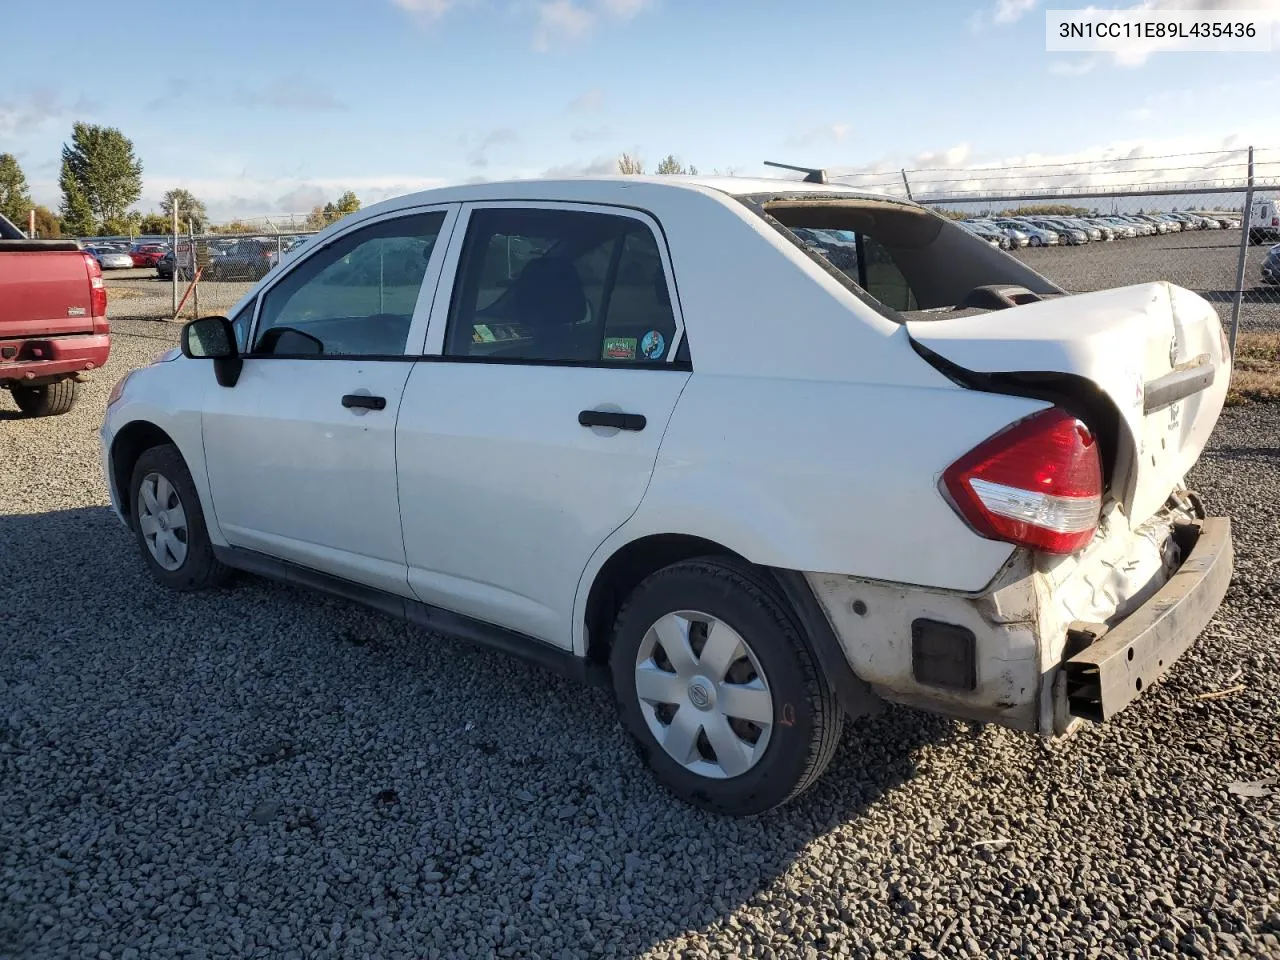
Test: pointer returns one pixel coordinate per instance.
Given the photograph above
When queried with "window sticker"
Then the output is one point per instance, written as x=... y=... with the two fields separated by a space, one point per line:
x=652 y=345
x=482 y=334
x=619 y=348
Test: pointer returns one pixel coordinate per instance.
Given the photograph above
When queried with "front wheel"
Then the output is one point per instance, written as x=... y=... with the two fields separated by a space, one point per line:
x=719 y=688
x=47 y=400
x=168 y=522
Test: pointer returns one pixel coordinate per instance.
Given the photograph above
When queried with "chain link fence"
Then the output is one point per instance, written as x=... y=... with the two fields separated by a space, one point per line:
x=209 y=273
x=1203 y=241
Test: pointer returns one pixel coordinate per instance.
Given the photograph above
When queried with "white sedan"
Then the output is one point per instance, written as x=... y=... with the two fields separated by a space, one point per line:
x=639 y=431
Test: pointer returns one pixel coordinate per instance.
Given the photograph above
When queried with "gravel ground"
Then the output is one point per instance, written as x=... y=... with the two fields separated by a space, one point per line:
x=261 y=772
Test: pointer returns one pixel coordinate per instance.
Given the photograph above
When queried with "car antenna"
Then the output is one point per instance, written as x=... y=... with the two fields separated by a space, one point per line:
x=812 y=174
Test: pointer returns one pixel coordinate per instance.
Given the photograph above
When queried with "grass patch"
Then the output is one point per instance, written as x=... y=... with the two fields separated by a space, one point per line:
x=1257 y=369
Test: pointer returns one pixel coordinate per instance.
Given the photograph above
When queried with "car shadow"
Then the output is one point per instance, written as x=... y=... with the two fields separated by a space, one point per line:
x=369 y=722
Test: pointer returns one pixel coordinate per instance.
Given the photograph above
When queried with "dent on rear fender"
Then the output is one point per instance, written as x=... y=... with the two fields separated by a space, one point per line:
x=1020 y=623
x=873 y=623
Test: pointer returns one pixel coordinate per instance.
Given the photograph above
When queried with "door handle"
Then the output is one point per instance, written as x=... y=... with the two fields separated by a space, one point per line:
x=608 y=418
x=363 y=401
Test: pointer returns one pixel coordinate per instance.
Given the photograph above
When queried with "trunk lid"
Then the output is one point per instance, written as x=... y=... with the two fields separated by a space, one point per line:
x=1156 y=351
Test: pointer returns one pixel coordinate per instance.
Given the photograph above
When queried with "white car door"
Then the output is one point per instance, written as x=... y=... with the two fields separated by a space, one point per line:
x=529 y=432
x=300 y=452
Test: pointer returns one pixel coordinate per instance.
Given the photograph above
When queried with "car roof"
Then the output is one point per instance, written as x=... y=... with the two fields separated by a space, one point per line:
x=552 y=189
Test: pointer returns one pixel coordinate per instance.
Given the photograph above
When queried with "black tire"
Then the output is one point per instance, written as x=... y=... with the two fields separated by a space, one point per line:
x=808 y=717
x=48 y=400
x=200 y=569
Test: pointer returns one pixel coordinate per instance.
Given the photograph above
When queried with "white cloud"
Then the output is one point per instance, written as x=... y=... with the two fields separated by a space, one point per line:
x=478 y=147
x=1140 y=115
x=294 y=92
x=27 y=112
x=826 y=133
x=1072 y=68
x=587 y=102
x=1115 y=165
x=590 y=134
x=248 y=196
x=600 y=166
x=426 y=11
x=562 y=23
x=1004 y=12
x=1008 y=11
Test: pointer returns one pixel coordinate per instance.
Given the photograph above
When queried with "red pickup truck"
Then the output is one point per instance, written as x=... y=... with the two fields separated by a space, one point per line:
x=53 y=320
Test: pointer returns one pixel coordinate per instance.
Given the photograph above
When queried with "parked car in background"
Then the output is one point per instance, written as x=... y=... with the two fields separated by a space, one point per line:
x=506 y=413
x=1107 y=230
x=1092 y=231
x=1122 y=228
x=1271 y=265
x=992 y=235
x=288 y=247
x=1036 y=236
x=1142 y=227
x=164 y=266
x=147 y=254
x=1068 y=235
x=1017 y=238
x=1264 y=221
x=110 y=258
x=53 y=321
x=243 y=260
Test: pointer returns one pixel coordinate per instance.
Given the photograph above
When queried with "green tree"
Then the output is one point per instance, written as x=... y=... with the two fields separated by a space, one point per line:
x=155 y=223
x=100 y=175
x=629 y=165
x=670 y=165
x=347 y=203
x=321 y=217
x=77 y=215
x=15 y=198
x=191 y=211
x=47 y=225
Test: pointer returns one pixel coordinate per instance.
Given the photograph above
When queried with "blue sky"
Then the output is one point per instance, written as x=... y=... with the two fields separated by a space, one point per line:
x=267 y=107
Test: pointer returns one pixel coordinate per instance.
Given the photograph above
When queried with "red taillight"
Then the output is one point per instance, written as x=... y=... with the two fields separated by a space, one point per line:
x=97 y=289
x=1037 y=484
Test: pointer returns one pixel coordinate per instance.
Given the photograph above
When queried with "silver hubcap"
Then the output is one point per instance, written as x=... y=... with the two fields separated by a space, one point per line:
x=163 y=521
x=703 y=694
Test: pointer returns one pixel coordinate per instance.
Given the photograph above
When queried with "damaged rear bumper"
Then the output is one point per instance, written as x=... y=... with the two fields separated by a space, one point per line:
x=1112 y=672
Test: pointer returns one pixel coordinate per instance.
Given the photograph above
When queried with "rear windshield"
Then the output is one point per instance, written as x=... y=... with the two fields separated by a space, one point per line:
x=897 y=256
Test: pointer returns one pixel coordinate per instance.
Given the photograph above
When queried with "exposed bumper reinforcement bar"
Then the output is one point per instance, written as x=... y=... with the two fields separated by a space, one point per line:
x=1111 y=673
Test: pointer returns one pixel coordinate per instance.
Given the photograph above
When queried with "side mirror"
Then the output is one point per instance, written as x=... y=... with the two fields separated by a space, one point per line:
x=213 y=338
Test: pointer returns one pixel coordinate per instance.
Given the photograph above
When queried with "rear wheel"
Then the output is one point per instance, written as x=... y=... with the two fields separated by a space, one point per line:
x=717 y=685
x=168 y=521
x=47 y=400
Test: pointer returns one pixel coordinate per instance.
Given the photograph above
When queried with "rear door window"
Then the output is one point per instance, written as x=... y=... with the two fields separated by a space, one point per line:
x=560 y=285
